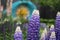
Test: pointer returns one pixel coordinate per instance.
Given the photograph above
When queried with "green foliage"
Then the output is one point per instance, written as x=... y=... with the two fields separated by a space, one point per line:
x=47 y=21
x=51 y=3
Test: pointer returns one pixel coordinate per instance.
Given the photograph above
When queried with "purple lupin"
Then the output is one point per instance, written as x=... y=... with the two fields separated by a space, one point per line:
x=18 y=34
x=48 y=34
x=57 y=26
x=52 y=36
x=34 y=26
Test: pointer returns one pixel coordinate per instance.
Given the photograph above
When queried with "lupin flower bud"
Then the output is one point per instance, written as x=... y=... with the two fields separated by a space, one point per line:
x=18 y=34
x=57 y=26
x=44 y=34
x=34 y=26
x=52 y=36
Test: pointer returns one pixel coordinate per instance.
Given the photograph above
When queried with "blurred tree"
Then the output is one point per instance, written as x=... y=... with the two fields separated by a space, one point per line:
x=55 y=4
x=49 y=8
x=3 y=2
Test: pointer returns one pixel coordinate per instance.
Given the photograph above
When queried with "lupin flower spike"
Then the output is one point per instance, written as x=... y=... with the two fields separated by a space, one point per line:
x=18 y=34
x=52 y=36
x=48 y=33
x=44 y=34
x=57 y=26
x=34 y=26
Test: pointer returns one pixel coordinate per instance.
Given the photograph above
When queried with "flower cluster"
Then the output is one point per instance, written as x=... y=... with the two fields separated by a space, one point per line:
x=52 y=36
x=44 y=34
x=48 y=34
x=18 y=34
x=33 y=27
x=57 y=26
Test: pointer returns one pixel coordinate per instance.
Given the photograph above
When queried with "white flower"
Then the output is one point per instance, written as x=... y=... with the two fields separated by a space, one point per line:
x=52 y=35
x=35 y=12
x=44 y=34
x=52 y=27
x=58 y=13
x=18 y=29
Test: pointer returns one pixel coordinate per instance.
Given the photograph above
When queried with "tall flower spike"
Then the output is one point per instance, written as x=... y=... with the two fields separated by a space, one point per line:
x=1 y=9
x=48 y=34
x=57 y=26
x=52 y=36
x=44 y=34
x=34 y=26
x=9 y=7
x=18 y=34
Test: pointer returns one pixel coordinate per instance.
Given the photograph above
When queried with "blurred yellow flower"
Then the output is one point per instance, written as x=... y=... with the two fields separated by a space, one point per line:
x=22 y=11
